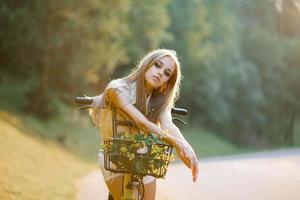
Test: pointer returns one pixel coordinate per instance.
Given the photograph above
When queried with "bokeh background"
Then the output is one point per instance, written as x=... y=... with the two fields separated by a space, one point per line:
x=240 y=61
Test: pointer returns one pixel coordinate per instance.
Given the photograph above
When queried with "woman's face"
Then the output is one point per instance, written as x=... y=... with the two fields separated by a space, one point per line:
x=159 y=73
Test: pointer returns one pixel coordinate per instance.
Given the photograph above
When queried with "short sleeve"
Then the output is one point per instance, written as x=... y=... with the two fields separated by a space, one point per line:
x=116 y=87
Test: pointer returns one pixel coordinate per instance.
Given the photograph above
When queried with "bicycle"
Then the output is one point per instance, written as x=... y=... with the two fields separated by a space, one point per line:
x=141 y=162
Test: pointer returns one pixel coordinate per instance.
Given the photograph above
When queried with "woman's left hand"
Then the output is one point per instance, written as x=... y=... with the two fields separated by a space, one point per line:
x=188 y=157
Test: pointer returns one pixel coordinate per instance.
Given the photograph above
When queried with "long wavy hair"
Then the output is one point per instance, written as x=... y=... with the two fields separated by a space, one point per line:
x=162 y=98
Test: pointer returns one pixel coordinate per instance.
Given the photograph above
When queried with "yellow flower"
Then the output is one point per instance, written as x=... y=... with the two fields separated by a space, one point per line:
x=106 y=147
x=127 y=135
x=131 y=156
x=123 y=149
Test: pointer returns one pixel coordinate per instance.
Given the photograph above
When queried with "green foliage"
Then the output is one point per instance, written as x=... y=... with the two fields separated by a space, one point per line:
x=147 y=29
x=64 y=43
x=13 y=91
x=240 y=79
x=148 y=21
x=189 y=28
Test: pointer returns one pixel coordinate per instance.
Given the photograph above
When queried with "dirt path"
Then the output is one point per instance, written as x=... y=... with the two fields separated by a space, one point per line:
x=273 y=175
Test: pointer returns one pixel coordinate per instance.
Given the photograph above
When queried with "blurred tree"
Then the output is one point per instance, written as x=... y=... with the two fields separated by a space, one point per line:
x=230 y=88
x=70 y=41
x=147 y=29
x=270 y=54
x=236 y=72
x=189 y=29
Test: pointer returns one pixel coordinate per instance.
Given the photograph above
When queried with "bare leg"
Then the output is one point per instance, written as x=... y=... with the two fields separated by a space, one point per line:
x=115 y=188
x=150 y=190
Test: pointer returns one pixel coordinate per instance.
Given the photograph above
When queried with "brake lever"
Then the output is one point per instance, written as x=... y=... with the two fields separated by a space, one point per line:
x=179 y=120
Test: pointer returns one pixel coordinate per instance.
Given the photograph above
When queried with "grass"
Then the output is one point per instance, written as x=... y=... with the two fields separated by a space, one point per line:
x=42 y=159
x=35 y=168
x=207 y=144
x=70 y=127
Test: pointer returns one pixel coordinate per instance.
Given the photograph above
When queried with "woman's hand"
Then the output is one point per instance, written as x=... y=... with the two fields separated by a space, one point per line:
x=188 y=157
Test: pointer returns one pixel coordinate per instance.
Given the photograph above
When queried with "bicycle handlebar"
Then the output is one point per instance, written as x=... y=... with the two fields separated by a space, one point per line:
x=85 y=102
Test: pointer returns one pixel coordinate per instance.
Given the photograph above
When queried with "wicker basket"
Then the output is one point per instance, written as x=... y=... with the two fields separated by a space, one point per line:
x=137 y=157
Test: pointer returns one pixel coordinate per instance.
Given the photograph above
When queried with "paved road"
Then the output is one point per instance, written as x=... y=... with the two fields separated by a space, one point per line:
x=273 y=175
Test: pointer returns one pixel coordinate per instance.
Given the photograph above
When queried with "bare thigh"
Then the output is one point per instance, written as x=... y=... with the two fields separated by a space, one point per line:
x=115 y=188
x=150 y=190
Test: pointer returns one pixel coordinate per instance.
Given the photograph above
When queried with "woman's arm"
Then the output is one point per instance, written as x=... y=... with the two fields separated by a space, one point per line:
x=121 y=101
x=186 y=152
x=95 y=108
x=176 y=139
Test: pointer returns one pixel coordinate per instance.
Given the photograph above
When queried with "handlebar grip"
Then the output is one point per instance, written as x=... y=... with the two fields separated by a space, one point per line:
x=179 y=111
x=84 y=100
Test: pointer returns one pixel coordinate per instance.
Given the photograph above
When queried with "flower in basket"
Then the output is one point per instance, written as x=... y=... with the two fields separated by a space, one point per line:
x=139 y=153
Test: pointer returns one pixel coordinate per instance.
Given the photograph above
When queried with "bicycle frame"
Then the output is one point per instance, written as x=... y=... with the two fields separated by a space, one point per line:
x=128 y=188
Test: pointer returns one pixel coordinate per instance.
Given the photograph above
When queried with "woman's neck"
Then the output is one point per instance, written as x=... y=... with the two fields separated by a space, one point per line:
x=148 y=89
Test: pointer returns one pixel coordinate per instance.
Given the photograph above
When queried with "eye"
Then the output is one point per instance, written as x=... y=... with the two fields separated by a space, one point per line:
x=157 y=65
x=167 y=74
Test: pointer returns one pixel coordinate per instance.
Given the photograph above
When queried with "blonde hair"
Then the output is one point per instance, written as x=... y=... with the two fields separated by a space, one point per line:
x=162 y=98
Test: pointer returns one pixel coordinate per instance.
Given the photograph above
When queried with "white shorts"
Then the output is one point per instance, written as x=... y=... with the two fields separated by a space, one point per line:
x=107 y=175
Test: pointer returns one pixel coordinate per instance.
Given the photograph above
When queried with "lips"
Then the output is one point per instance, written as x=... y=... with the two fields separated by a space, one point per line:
x=156 y=78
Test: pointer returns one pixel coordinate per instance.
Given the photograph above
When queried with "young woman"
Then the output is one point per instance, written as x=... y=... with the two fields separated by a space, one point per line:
x=145 y=97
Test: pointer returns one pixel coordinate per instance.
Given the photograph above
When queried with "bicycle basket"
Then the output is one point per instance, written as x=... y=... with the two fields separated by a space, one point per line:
x=139 y=155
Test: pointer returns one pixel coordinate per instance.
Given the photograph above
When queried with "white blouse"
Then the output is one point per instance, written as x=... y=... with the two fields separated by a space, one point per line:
x=102 y=117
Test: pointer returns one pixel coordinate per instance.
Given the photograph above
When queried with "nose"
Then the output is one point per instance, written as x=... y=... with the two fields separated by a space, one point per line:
x=159 y=73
